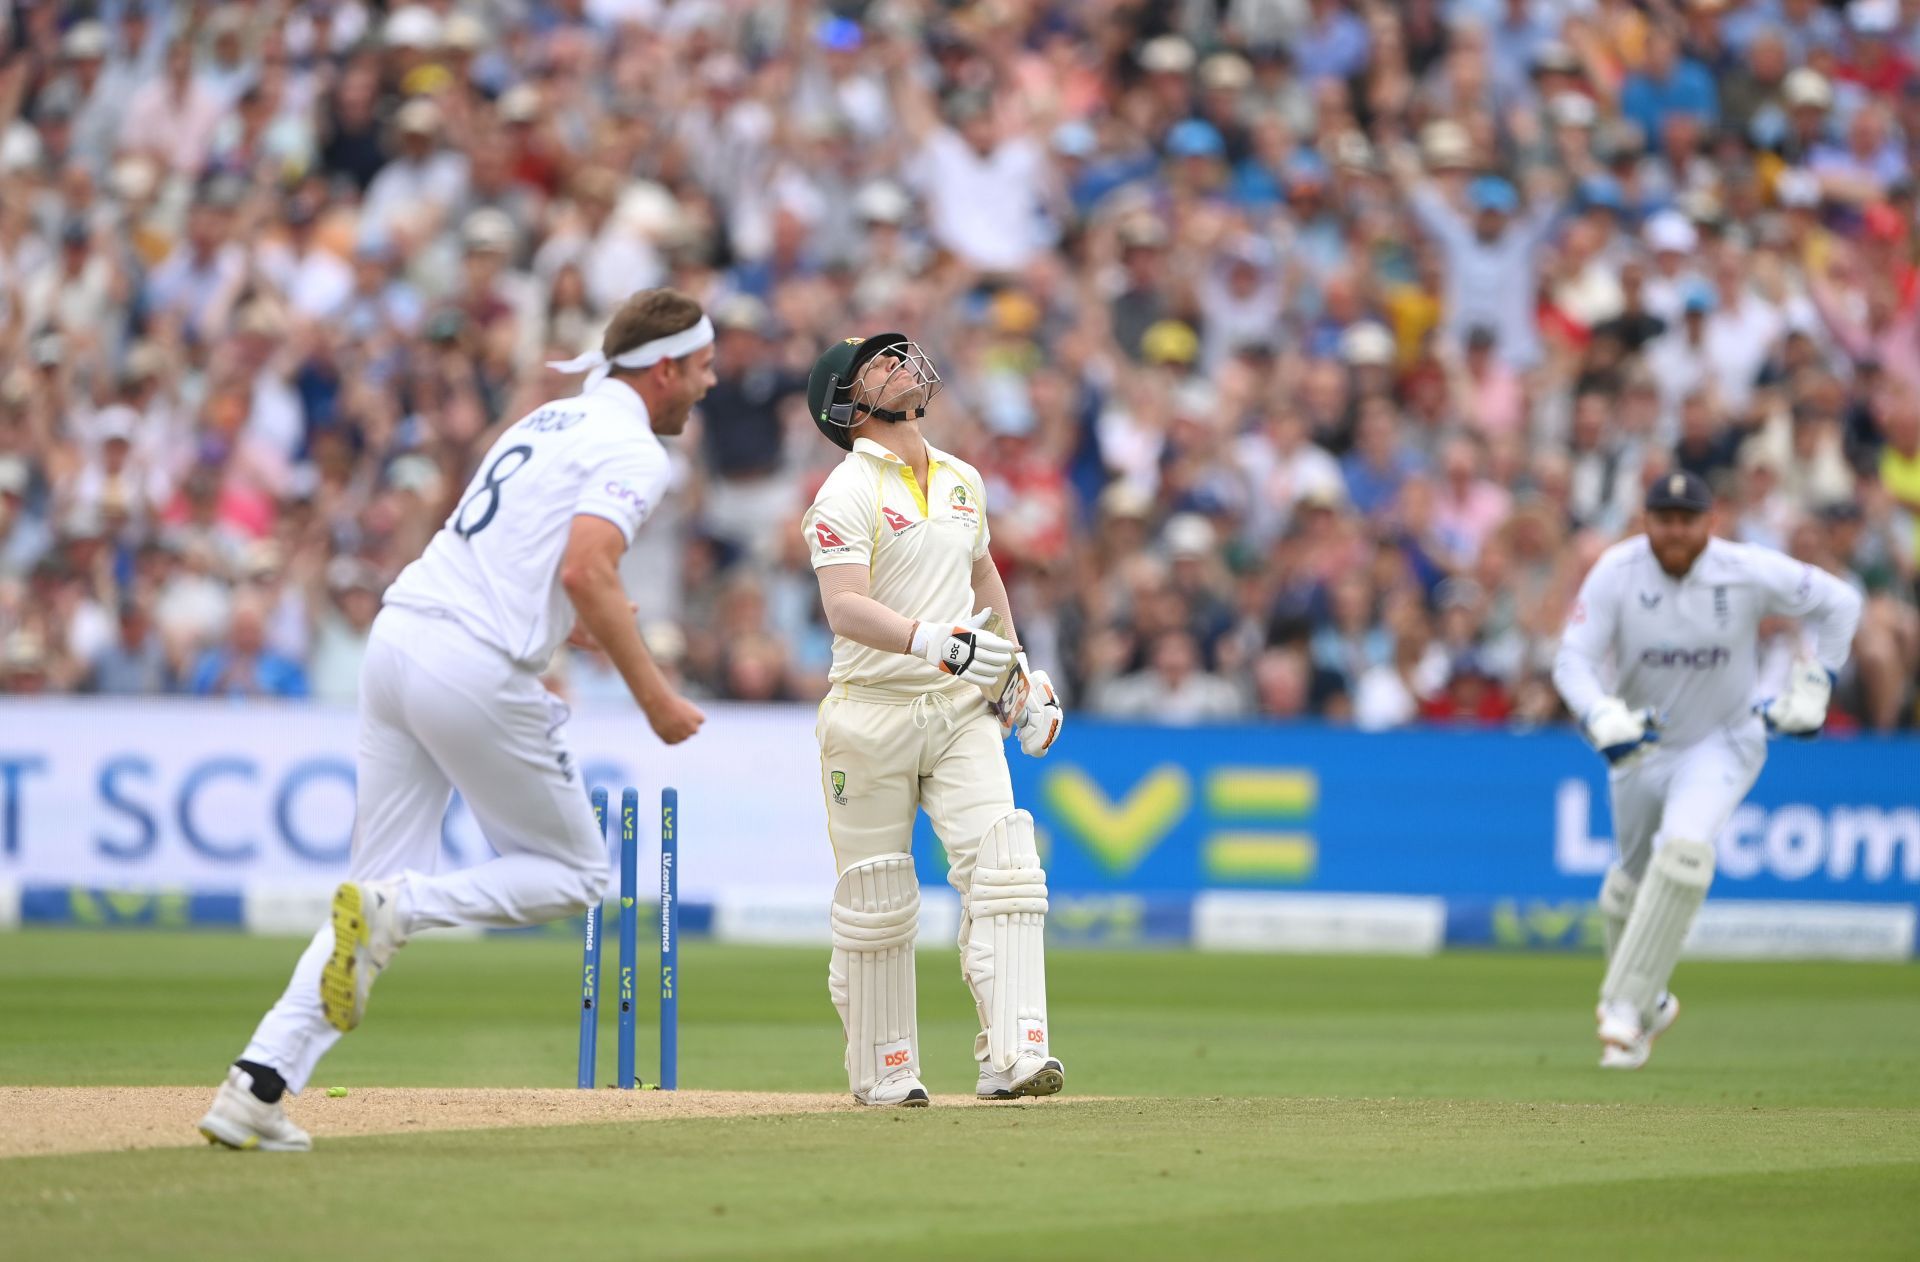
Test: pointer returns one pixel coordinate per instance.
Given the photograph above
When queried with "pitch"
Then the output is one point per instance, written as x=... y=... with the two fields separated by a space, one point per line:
x=1242 y=1106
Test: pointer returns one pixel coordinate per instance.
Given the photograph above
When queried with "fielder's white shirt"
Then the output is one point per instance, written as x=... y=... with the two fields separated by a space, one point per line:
x=495 y=566
x=919 y=552
x=1689 y=648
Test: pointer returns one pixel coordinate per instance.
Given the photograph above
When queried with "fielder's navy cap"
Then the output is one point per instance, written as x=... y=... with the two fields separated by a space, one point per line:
x=1682 y=490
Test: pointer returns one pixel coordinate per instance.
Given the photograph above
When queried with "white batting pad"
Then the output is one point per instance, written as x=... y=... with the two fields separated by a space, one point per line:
x=876 y=910
x=1004 y=950
x=1616 y=904
x=1676 y=884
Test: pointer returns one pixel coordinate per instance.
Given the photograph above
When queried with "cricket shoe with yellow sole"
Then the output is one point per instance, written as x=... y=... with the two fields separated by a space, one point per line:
x=1624 y=1045
x=366 y=933
x=1028 y=1076
x=240 y=1119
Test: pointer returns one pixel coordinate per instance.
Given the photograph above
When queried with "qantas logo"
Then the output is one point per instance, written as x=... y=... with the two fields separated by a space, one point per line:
x=827 y=538
x=895 y=520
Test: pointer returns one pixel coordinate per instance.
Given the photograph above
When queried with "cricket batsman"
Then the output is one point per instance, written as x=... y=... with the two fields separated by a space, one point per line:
x=450 y=697
x=927 y=681
x=1675 y=714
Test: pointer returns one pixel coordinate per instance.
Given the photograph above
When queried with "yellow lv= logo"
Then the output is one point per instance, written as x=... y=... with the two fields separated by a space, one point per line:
x=1120 y=834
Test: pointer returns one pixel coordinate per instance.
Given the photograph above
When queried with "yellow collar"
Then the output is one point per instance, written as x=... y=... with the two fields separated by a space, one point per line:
x=867 y=447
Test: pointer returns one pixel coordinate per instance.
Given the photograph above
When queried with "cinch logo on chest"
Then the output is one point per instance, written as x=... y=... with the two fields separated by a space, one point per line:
x=896 y=521
x=1710 y=658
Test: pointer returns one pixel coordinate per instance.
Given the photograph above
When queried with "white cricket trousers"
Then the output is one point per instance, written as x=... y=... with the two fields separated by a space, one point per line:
x=893 y=755
x=1686 y=791
x=439 y=710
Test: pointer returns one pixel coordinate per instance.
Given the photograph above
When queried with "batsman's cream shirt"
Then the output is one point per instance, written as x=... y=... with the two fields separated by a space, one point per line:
x=495 y=566
x=1689 y=647
x=919 y=552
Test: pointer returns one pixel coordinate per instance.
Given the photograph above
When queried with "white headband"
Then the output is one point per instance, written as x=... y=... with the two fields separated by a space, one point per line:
x=674 y=345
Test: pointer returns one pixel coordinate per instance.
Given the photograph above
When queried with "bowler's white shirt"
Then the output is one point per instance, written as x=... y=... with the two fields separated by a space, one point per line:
x=1689 y=648
x=495 y=566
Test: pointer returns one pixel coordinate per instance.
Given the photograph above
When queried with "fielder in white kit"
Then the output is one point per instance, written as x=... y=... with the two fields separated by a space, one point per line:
x=898 y=535
x=1678 y=613
x=450 y=697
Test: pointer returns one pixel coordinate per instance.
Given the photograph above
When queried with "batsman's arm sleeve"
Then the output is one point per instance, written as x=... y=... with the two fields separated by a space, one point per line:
x=990 y=592
x=1586 y=640
x=858 y=616
x=843 y=521
x=1829 y=607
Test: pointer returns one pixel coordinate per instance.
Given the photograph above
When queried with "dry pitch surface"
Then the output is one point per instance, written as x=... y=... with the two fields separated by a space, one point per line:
x=39 y=1121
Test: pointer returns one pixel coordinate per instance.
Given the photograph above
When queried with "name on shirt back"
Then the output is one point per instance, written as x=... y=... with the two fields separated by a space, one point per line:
x=552 y=420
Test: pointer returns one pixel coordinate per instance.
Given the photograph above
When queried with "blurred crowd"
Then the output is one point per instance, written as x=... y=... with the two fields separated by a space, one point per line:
x=1311 y=349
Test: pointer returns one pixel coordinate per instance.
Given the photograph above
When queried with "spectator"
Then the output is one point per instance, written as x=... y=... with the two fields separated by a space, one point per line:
x=1490 y=265
x=135 y=664
x=1173 y=690
x=1213 y=292
x=242 y=665
x=982 y=178
x=421 y=186
x=1670 y=84
x=172 y=116
x=199 y=281
x=344 y=618
x=1379 y=462
x=1390 y=693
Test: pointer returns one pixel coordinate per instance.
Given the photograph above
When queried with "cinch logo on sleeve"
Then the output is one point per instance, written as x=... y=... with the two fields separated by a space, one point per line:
x=622 y=491
x=1689 y=659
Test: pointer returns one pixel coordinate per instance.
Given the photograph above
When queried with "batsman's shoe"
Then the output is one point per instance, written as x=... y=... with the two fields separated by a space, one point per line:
x=366 y=933
x=1029 y=1076
x=897 y=1091
x=1624 y=1045
x=240 y=1119
x=1665 y=1015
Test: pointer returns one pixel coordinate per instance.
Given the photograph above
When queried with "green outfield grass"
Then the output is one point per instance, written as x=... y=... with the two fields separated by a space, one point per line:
x=1263 y=1106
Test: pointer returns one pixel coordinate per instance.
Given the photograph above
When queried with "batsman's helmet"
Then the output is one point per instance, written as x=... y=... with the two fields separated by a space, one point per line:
x=837 y=400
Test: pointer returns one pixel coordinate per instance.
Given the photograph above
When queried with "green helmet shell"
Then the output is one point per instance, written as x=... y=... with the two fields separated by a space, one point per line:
x=829 y=396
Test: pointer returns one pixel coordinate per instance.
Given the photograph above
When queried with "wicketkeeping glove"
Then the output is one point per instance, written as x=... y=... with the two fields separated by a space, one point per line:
x=965 y=649
x=1801 y=711
x=1618 y=733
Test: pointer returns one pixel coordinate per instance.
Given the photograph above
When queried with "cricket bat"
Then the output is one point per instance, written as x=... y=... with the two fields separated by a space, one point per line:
x=1009 y=693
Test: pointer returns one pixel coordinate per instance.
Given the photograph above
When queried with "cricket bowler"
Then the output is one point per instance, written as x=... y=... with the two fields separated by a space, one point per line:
x=450 y=697
x=1675 y=713
x=927 y=681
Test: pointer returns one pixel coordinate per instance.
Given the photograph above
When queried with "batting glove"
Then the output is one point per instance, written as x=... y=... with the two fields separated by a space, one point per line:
x=1040 y=725
x=965 y=649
